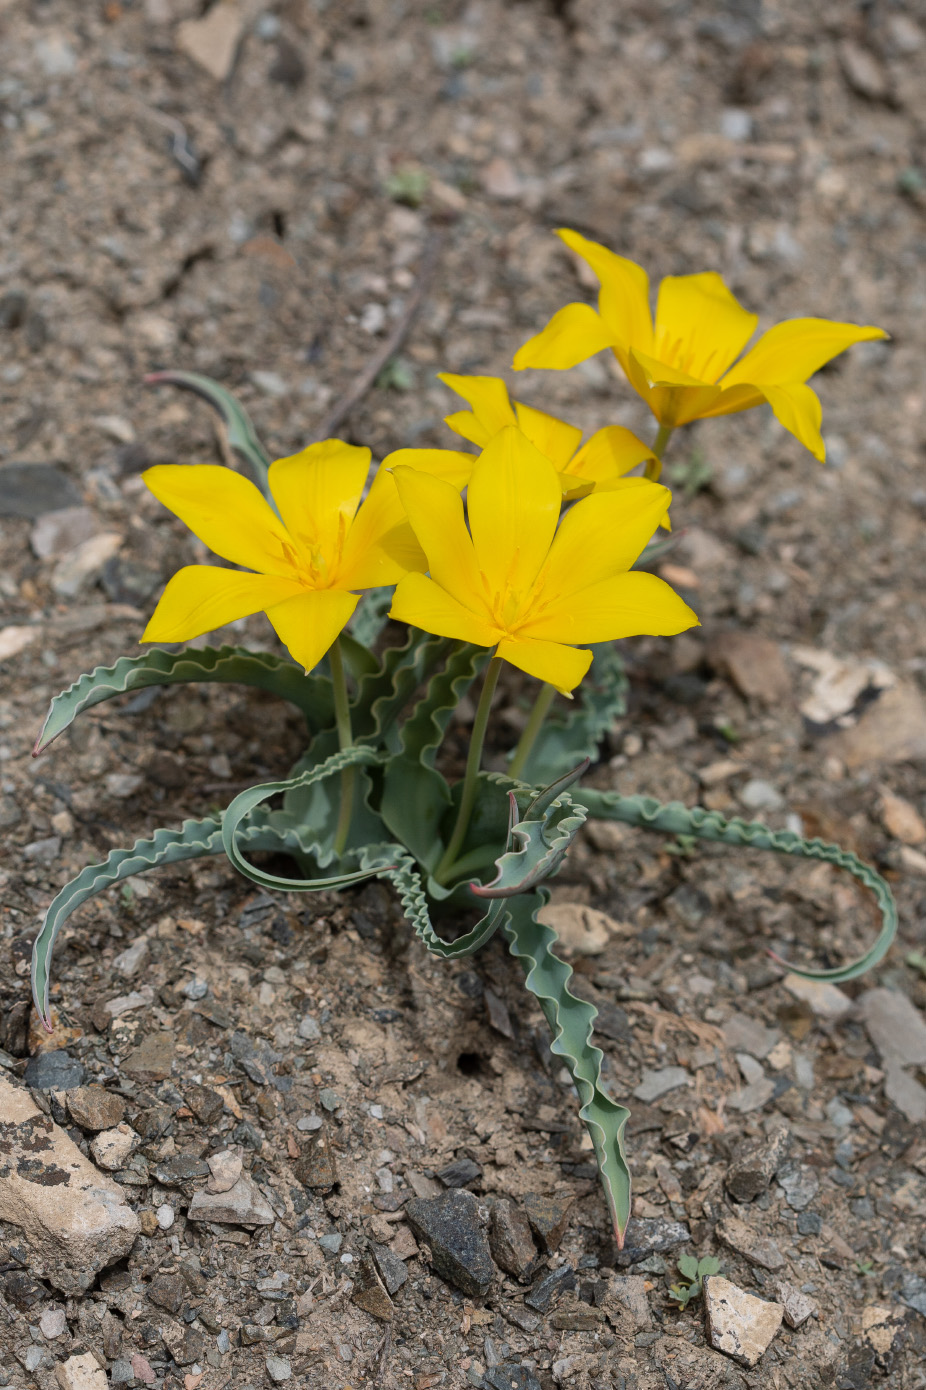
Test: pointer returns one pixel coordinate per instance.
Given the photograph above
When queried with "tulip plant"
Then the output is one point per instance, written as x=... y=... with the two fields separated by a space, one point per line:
x=534 y=569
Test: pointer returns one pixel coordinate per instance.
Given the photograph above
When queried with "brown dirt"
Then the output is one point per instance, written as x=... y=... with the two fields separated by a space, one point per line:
x=781 y=145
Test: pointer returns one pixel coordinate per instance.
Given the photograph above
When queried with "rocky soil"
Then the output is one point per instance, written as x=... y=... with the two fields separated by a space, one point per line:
x=269 y=1140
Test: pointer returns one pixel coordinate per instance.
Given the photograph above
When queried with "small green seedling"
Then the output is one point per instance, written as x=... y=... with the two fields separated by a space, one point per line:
x=693 y=476
x=864 y=1266
x=694 y=1271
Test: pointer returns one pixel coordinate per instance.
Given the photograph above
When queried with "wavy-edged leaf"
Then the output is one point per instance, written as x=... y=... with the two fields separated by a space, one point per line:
x=566 y=737
x=537 y=840
x=571 y=1022
x=416 y=797
x=393 y=863
x=224 y=665
x=194 y=839
x=314 y=838
x=242 y=435
x=673 y=818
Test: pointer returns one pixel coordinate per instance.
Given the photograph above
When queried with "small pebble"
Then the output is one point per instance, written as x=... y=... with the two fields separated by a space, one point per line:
x=165 y=1216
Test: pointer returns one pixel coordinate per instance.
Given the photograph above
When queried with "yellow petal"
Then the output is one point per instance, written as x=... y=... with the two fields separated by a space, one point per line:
x=794 y=350
x=677 y=401
x=514 y=502
x=610 y=453
x=600 y=537
x=625 y=606
x=700 y=327
x=435 y=512
x=624 y=299
x=554 y=438
x=421 y=602
x=488 y=396
x=560 y=666
x=797 y=407
x=380 y=546
x=318 y=491
x=226 y=511
x=452 y=465
x=200 y=598
x=308 y=623
x=465 y=424
x=573 y=334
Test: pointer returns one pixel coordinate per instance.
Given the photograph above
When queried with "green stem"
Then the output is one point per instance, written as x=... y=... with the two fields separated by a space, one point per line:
x=531 y=729
x=653 y=470
x=345 y=740
x=473 y=761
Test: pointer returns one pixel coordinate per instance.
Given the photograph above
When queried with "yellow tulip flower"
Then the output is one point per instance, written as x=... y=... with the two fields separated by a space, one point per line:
x=307 y=563
x=521 y=580
x=684 y=364
x=600 y=463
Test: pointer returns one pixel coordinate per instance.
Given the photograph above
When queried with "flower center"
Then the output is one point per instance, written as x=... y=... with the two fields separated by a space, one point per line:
x=686 y=354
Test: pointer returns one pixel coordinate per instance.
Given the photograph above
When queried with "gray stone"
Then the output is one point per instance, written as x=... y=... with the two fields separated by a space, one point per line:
x=797 y=1306
x=134 y=957
x=629 y=1292
x=905 y=1092
x=30 y=489
x=800 y=1185
x=449 y=1225
x=391 y=1269
x=548 y=1289
x=242 y=1205
x=754 y=1096
x=744 y=1240
x=55 y=533
x=755 y=1164
x=460 y=1173
x=168 y=1292
x=548 y=1217
x=743 y=1033
x=74 y=1219
x=54 y=1071
x=309 y=1030
x=650 y=1236
x=331 y=1242
x=180 y=1169
x=659 y=1082
x=824 y=1000
x=507 y=1377
x=738 y=1323
x=895 y=1026
x=510 y=1239
x=53 y=1322
x=279 y=1369
x=758 y=795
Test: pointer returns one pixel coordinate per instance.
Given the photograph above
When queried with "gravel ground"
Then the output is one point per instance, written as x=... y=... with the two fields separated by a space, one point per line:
x=314 y=1127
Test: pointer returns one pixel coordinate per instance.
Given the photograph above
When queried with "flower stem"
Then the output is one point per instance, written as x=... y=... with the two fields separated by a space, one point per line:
x=473 y=761
x=531 y=729
x=653 y=470
x=345 y=740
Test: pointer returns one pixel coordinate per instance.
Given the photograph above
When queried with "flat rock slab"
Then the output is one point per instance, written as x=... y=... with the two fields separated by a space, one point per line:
x=74 y=1218
x=450 y=1227
x=741 y=1237
x=29 y=489
x=895 y=1026
x=81 y=1373
x=755 y=1164
x=242 y=1205
x=738 y=1323
x=647 y=1236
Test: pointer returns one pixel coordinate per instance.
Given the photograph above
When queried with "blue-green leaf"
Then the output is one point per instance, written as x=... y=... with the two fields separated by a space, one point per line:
x=224 y=665
x=672 y=818
x=242 y=435
x=571 y=1021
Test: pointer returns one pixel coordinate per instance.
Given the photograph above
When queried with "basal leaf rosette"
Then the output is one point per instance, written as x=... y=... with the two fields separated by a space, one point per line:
x=521 y=579
x=683 y=363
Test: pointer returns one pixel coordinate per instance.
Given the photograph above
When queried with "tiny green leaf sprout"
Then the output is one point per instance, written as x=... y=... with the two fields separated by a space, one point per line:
x=693 y=1272
x=533 y=568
